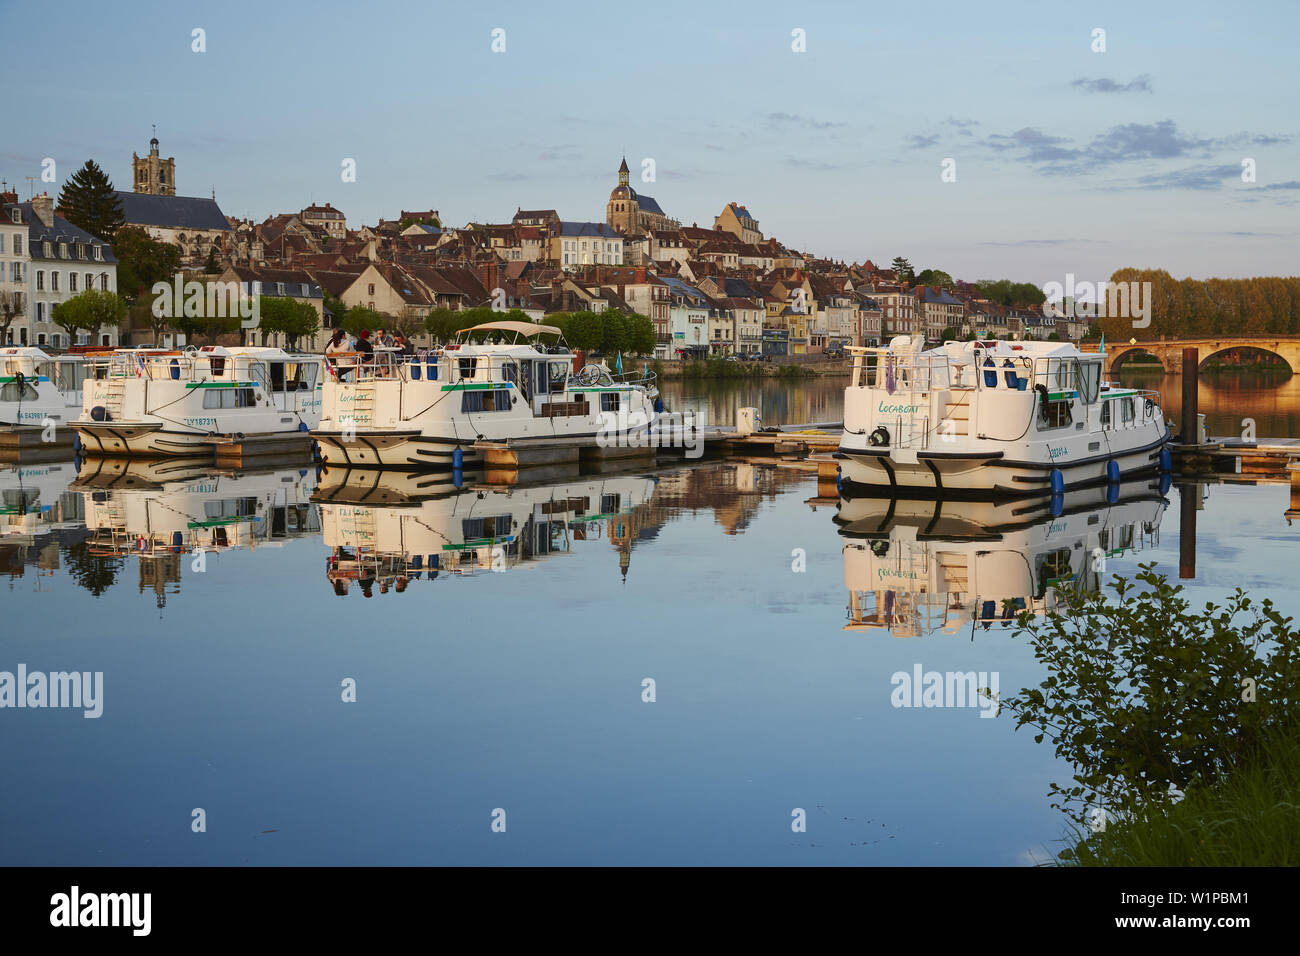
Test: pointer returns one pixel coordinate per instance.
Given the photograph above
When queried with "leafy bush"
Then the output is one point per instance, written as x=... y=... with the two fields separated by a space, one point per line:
x=1145 y=696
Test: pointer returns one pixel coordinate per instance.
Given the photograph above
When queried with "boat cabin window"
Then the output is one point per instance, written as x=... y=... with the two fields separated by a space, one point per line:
x=491 y=527
x=1105 y=414
x=467 y=366
x=559 y=376
x=293 y=376
x=228 y=398
x=230 y=508
x=1054 y=414
x=610 y=401
x=1089 y=380
x=16 y=392
x=1126 y=410
x=509 y=372
x=485 y=400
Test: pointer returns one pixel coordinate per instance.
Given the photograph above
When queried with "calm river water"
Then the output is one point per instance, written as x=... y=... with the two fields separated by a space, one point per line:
x=649 y=669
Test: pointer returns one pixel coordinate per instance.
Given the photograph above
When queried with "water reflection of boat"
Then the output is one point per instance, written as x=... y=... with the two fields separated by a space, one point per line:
x=371 y=486
x=912 y=566
x=34 y=501
x=169 y=508
x=484 y=528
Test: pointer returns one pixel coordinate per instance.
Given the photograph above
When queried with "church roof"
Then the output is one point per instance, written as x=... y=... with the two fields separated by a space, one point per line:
x=623 y=167
x=647 y=203
x=172 y=212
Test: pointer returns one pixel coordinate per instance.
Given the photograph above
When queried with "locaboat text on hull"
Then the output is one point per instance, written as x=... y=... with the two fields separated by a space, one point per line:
x=992 y=419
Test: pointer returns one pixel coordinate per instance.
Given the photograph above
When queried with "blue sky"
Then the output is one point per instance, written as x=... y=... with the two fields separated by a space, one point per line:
x=1066 y=160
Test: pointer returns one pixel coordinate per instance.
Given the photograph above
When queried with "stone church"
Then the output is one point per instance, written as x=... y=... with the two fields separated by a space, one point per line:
x=633 y=213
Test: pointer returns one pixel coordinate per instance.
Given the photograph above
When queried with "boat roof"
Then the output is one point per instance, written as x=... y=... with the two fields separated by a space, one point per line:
x=25 y=351
x=519 y=328
x=256 y=351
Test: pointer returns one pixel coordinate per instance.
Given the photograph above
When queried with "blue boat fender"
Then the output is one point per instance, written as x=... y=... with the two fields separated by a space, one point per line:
x=1058 y=482
x=1112 y=472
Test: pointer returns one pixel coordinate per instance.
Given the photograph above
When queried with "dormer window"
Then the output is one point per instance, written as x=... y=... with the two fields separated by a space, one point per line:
x=99 y=252
x=16 y=215
x=45 y=249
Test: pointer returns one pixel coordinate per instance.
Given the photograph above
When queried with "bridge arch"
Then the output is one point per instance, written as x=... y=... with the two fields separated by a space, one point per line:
x=1205 y=353
x=1117 y=359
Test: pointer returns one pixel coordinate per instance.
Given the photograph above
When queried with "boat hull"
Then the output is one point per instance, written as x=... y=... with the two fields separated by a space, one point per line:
x=152 y=440
x=987 y=475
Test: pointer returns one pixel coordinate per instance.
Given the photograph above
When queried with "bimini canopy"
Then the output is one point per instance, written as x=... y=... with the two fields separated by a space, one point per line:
x=527 y=329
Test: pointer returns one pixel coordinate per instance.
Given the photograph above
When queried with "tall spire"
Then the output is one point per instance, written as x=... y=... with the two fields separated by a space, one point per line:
x=623 y=173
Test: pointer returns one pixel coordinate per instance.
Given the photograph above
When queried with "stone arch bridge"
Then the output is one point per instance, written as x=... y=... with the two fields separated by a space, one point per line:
x=1169 y=352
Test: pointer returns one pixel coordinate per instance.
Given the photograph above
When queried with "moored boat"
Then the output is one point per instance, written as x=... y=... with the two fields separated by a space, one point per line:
x=992 y=419
x=430 y=411
x=39 y=392
x=160 y=403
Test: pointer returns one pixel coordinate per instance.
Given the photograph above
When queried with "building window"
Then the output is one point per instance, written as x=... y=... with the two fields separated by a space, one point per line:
x=54 y=281
x=103 y=282
x=40 y=280
x=372 y=292
x=72 y=282
x=18 y=245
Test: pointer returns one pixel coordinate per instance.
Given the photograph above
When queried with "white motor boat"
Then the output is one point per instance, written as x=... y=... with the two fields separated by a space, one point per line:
x=992 y=419
x=38 y=390
x=159 y=403
x=430 y=411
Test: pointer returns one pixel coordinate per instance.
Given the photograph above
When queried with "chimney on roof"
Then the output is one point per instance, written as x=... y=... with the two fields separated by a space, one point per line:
x=43 y=207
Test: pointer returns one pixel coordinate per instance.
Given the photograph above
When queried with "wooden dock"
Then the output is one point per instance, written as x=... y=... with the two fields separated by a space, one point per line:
x=1235 y=456
x=791 y=441
x=30 y=439
x=233 y=451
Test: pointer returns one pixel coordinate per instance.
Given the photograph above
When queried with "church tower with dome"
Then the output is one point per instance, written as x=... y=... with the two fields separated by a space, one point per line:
x=152 y=174
x=632 y=213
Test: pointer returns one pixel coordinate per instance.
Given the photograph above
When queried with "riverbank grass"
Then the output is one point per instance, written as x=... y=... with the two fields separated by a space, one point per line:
x=1251 y=818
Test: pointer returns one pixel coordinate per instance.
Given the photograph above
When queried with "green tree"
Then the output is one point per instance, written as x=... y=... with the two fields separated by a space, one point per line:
x=288 y=317
x=584 y=331
x=89 y=201
x=441 y=324
x=935 y=278
x=193 y=316
x=641 y=334
x=212 y=267
x=142 y=261
x=91 y=311
x=359 y=318
x=906 y=274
